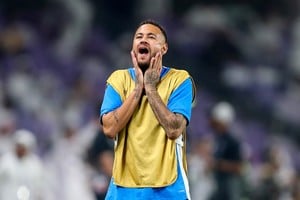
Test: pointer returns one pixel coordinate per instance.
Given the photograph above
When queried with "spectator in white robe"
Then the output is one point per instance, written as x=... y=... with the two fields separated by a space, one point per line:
x=21 y=170
x=69 y=172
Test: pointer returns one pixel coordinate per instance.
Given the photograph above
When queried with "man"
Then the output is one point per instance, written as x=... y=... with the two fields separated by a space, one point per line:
x=22 y=173
x=227 y=165
x=146 y=109
x=70 y=174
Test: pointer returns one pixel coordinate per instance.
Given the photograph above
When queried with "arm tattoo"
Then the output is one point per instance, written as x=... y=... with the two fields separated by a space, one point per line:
x=152 y=78
x=136 y=96
x=115 y=116
x=176 y=123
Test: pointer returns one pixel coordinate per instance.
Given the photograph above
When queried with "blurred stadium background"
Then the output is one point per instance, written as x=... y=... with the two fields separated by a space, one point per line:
x=55 y=56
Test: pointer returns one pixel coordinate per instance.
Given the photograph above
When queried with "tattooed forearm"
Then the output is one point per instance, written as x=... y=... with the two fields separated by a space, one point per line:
x=137 y=93
x=175 y=122
x=116 y=116
x=152 y=78
x=172 y=123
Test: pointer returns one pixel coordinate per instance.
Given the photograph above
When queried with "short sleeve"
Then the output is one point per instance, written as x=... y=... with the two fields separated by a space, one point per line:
x=111 y=100
x=181 y=99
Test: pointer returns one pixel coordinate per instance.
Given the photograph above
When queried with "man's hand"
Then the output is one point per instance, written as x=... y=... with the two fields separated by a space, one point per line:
x=152 y=74
x=138 y=72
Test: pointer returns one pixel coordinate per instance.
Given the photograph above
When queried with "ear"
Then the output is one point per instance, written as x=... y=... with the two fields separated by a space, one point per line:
x=164 y=49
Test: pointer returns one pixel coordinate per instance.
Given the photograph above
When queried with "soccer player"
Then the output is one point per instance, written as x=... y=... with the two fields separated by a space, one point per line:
x=146 y=109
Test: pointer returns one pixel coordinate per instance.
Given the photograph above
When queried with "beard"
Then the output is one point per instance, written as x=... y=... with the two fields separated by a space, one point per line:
x=144 y=66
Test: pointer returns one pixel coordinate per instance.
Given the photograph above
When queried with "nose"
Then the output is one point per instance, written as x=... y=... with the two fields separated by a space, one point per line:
x=143 y=41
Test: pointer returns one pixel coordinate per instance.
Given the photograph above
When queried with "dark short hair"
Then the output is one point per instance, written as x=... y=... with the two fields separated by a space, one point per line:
x=154 y=23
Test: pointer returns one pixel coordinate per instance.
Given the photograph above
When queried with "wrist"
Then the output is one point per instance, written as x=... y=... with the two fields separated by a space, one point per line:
x=138 y=90
x=150 y=87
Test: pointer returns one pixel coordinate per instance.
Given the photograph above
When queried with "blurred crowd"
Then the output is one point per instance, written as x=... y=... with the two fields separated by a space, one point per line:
x=55 y=56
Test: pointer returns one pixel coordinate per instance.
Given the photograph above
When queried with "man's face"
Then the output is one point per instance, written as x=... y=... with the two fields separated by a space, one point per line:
x=21 y=150
x=148 y=40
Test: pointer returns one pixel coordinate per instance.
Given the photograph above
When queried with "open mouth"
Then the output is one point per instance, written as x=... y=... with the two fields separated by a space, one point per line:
x=143 y=50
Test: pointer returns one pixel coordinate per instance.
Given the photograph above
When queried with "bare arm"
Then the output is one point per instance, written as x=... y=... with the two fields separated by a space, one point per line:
x=116 y=120
x=173 y=124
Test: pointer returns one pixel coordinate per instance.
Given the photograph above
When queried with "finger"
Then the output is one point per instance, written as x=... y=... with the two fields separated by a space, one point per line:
x=158 y=61
x=136 y=66
x=132 y=54
x=152 y=62
x=134 y=60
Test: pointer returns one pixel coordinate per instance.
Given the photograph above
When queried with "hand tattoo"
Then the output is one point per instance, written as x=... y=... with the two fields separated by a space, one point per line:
x=152 y=78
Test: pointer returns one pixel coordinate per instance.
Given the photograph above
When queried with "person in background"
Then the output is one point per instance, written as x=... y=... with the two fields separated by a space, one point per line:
x=228 y=161
x=7 y=128
x=100 y=156
x=277 y=174
x=69 y=172
x=200 y=169
x=146 y=109
x=22 y=172
x=102 y=173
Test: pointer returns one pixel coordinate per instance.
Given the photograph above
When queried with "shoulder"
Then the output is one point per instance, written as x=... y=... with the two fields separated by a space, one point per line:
x=119 y=74
x=180 y=76
x=175 y=74
x=7 y=161
x=179 y=72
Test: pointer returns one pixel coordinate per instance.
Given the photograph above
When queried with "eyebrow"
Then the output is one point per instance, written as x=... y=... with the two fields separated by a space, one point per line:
x=148 y=34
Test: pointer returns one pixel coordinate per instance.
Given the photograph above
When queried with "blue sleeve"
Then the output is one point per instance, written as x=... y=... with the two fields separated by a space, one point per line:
x=111 y=100
x=181 y=99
